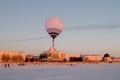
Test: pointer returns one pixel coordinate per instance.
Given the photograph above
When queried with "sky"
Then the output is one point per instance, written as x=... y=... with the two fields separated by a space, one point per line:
x=90 y=26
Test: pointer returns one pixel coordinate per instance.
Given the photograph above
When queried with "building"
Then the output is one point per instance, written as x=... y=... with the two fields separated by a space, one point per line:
x=52 y=55
x=73 y=57
x=107 y=58
x=92 y=58
x=115 y=59
x=11 y=56
x=44 y=56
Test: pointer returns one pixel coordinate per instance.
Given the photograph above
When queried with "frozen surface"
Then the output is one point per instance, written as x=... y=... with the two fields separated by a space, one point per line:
x=61 y=72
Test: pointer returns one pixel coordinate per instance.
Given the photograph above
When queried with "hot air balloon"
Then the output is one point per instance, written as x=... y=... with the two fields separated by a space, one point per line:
x=54 y=26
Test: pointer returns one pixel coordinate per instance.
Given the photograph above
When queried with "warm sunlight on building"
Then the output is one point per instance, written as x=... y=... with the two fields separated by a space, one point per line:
x=54 y=55
x=11 y=56
x=88 y=58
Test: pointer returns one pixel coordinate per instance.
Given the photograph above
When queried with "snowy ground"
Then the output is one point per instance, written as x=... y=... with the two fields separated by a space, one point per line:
x=61 y=72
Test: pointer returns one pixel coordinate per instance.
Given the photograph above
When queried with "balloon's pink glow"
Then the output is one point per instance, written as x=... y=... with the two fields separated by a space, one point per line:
x=54 y=22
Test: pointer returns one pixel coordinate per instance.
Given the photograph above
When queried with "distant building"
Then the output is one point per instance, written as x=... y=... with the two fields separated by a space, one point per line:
x=115 y=59
x=52 y=55
x=11 y=56
x=107 y=58
x=73 y=57
x=44 y=56
x=92 y=58
x=29 y=58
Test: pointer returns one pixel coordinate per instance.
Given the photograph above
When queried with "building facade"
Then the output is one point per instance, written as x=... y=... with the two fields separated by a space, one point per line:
x=52 y=55
x=73 y=57
x=92 y=58
x=11 y=56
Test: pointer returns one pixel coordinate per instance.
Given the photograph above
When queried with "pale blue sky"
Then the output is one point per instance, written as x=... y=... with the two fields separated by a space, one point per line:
x=91 y=26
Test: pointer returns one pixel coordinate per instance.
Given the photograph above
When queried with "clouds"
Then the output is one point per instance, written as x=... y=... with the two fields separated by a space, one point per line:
x=30 y=39
x=77 y=28
x=94 y=26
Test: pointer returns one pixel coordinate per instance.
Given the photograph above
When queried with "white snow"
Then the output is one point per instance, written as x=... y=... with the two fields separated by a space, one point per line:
x=61 y=72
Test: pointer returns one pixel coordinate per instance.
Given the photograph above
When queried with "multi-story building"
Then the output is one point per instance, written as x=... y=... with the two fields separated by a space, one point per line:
x=73 y=57
x=9 y=56
x=52 y=55
x=92 y=58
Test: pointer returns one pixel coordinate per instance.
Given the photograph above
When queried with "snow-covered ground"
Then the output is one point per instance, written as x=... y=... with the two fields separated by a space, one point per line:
x=61 y=72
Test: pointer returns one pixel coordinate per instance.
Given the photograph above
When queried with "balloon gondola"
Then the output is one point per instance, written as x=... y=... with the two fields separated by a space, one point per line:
x=54 y=26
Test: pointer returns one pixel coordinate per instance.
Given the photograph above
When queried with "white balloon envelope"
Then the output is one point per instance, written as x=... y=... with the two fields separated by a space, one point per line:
x=54 y=26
